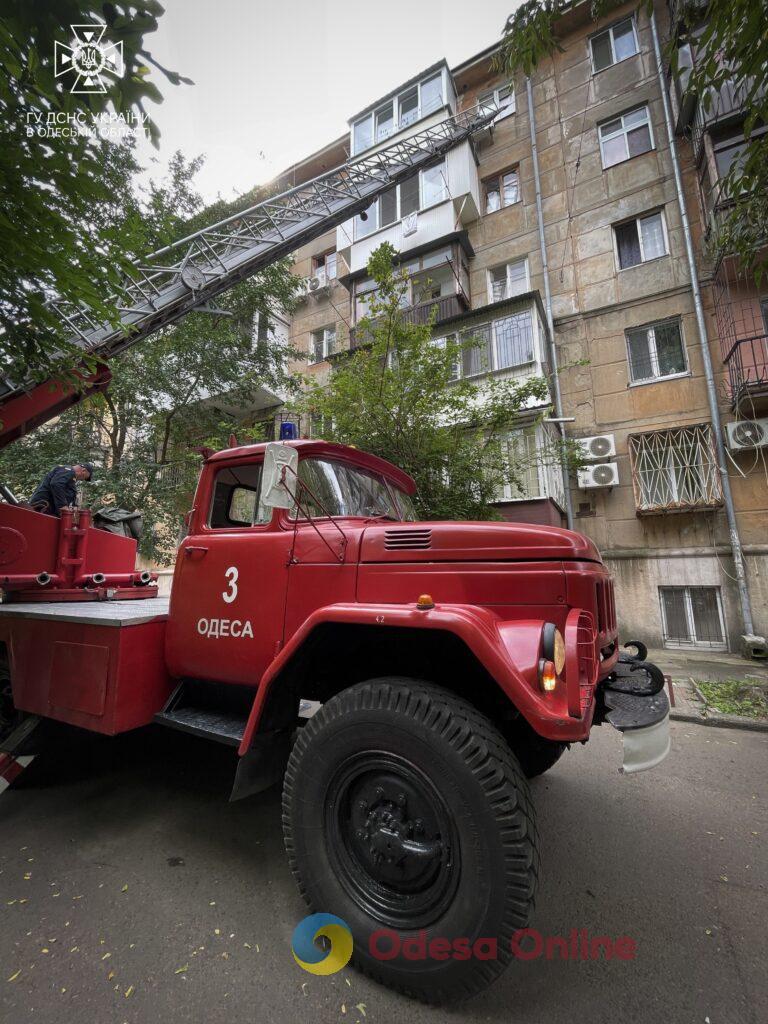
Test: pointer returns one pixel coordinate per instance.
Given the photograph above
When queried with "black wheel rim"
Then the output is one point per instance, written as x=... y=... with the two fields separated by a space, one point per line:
x=391 y=839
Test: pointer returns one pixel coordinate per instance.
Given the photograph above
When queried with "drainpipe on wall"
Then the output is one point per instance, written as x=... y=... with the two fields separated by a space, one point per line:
x=548 y=303
x=714 y=412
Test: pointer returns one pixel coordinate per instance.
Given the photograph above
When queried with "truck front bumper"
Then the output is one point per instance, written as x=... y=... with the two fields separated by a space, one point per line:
x=643 y=721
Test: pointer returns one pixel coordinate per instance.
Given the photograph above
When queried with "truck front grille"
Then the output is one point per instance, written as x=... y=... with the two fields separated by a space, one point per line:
x=606 y=607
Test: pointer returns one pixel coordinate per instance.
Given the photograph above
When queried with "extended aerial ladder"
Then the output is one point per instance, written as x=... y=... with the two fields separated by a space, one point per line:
x=187 y=275
x=45 y=559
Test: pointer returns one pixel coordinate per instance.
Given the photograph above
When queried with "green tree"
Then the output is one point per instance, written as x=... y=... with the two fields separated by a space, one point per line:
x=397 y=396
x=184 y=387
x=730 y=44
x=57 y=186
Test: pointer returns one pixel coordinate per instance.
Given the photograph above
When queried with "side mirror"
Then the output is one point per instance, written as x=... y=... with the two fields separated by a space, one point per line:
x=277 y=457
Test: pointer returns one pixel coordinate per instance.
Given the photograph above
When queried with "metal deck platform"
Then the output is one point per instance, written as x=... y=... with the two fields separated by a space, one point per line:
x=93 y=613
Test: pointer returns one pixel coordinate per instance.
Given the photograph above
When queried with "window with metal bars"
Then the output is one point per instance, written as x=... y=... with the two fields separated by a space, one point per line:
x=675 y=470
x=692 y=617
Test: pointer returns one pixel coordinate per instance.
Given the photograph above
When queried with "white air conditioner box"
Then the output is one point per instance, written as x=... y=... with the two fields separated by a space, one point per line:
x=601 y=446
x=602 y=474
x=746 y=435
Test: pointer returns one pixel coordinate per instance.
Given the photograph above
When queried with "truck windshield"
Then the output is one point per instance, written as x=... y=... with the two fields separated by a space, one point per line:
x=341 y=490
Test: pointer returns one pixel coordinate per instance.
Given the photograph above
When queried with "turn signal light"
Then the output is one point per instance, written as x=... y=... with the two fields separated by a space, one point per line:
x=425 y=602
x=548 y=676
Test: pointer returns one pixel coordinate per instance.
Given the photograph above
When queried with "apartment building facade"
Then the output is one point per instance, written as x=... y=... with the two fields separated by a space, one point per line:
x=622 y=319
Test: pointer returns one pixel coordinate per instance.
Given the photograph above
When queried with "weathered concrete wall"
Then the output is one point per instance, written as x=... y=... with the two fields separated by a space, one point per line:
x=637 y=580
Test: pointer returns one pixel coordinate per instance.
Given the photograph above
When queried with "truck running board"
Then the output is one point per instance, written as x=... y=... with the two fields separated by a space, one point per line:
x=216 y=711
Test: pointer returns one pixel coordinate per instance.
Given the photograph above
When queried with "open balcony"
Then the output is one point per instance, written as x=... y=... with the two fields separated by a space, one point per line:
x=742 y=320
x=437 y=290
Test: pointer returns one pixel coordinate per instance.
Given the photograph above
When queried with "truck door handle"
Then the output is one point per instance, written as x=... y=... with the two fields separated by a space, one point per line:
x=195 y=547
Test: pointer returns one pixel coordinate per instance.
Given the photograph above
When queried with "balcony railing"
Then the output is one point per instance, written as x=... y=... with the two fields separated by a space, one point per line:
x=747 y=364
x=691 y=10
x=444 y=308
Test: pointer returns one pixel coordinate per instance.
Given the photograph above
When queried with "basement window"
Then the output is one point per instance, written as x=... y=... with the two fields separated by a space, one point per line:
x=692 y=617
x=614 y=45
x=655 y=352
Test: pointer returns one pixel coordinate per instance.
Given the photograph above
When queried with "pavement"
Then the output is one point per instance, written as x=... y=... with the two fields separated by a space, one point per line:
x=714 y=665
x=131 y=891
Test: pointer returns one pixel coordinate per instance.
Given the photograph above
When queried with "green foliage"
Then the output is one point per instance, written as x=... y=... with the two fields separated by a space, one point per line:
x=735 y=697
x=141 y=432
x=731 y=53
x=59 y=193
x=396 y=396
x=529 y=36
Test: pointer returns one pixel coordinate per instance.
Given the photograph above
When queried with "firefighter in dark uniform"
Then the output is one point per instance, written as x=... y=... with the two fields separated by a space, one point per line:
x=57 y=489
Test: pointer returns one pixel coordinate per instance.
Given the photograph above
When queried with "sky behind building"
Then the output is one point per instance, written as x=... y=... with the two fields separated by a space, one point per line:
x=276 y=81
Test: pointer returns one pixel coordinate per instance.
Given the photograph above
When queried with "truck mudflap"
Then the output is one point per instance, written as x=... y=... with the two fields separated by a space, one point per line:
x=633 y=701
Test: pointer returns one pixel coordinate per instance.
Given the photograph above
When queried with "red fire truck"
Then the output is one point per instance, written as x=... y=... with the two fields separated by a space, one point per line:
x=404 y=679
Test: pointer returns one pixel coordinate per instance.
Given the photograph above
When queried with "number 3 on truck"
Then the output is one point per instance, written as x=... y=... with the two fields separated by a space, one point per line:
x=230 y=593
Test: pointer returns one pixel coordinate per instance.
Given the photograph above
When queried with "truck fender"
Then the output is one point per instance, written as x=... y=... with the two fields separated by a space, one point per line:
x=508 y=650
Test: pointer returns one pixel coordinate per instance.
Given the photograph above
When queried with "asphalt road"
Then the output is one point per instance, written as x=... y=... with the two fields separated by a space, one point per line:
x=130 y=890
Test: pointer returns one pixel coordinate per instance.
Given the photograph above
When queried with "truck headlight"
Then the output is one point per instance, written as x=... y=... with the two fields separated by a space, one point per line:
x=553 y=646
x=552 y=660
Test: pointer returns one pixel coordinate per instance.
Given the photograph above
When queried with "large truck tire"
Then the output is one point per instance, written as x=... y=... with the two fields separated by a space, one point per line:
x=406 y=814
x=534 y=753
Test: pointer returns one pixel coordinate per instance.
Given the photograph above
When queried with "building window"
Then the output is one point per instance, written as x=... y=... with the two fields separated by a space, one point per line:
x=692 y=617
x=402 y=110
x=655 y=352
x=507 y=280
x=625 y=136
x=503 y=98
x=614 y=45
x=432 y=185
x=424 y=189
x=504 y=344
x=325 y=265
x=641 y=240
x=323 y=344
x=455 y=366
x=523 y=452
x=675 y=470
x=501 y=190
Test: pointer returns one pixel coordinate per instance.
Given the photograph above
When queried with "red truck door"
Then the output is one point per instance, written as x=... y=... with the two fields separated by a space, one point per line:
x=229 y=589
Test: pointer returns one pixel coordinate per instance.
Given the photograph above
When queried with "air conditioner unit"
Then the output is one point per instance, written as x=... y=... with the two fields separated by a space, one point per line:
x=604 y=474
x=747 y=434
x=602 y=446
x=318 y=283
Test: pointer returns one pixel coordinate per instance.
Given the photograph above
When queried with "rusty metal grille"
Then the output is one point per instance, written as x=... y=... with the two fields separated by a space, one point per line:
x=675 y=470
